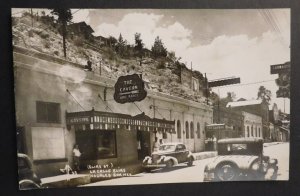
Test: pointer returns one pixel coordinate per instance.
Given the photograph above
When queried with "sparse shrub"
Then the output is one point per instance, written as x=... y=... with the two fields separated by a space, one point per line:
x=161 y=65
x=30 y=33
x=56 y=52
x=78 y=42
x=47 y=44
x=132 y=67
x=44 y=35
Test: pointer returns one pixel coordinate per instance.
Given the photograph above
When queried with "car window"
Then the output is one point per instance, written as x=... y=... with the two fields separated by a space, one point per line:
x=167 y=147
x=180 y=147
x=239 y=149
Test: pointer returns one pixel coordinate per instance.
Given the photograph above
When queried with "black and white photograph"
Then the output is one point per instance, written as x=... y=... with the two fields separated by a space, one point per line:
x=109 y=97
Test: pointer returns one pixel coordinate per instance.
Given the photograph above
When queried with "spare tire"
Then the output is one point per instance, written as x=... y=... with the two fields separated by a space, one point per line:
x=226 y=171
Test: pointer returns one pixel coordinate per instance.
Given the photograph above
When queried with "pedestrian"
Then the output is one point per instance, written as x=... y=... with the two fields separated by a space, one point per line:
x=155 y=145
x=88 y=67
x=161 y=142
x=214 y=139
x=76 y=157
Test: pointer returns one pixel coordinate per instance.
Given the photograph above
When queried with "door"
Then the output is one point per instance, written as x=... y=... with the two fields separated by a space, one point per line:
x=143 y=144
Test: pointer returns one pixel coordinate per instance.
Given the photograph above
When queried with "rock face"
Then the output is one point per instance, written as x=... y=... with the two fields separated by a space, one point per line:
x=160 y=74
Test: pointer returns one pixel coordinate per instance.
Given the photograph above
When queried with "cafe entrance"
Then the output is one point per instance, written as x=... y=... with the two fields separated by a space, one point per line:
x=143 y=144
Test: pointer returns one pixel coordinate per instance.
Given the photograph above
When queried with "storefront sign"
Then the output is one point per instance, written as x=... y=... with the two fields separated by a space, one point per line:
x=215 y=127
x=129 y=88
x=78 y=120
x=224 y=82
x=275 y=69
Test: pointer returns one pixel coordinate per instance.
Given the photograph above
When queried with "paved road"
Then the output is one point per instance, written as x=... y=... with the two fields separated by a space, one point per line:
x=280 y=152
x=182 y=173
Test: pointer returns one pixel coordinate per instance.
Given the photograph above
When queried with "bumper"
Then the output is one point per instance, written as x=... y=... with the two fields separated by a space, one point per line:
x=208 y=176
x=154 y=165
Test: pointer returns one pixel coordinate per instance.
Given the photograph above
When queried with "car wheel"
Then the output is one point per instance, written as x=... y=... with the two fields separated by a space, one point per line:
x=148 y=170
x=271 y=173
x=169 y=164
x=190 y=161
x=226 y=172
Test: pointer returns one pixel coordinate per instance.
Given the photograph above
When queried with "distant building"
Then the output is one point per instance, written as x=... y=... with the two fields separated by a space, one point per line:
x=193 y=80
x=252 y=125
x=257 y=107
x=230 y=117
x=81 y=29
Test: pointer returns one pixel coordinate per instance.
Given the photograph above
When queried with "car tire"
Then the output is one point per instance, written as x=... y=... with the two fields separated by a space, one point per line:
x=169 y=164
x=226 y=172
x=147 y=170
x=190 y=161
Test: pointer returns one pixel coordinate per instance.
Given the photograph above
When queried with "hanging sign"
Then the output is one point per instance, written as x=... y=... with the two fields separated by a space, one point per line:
x=129 y=88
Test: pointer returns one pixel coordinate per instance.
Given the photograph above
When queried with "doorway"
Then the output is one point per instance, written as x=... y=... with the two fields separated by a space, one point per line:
x=143 y=144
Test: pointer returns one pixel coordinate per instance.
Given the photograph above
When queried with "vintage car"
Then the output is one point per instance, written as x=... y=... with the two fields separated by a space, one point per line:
x=241 y=159
x=168 y=155
x=27 y=177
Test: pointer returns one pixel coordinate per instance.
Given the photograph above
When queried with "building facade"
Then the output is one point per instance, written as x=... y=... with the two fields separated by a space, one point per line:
x=48 y=91
x=252 y=125
x=255 y=107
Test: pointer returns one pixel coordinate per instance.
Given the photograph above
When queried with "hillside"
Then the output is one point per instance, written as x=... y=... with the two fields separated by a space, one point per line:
x=161 y=74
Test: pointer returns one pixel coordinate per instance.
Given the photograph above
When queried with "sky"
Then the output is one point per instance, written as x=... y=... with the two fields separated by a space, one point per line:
x=221 y=43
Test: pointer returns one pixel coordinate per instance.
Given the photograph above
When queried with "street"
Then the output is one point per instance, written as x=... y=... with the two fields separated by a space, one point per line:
x=182 y=173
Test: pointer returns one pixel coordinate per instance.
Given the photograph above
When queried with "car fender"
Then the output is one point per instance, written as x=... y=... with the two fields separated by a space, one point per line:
x=191 y=155
x=147 y=159
x=167 y=158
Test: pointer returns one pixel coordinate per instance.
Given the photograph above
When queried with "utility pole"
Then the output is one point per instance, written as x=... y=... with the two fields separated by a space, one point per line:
x=100 y=66
x=206 y=88
x=31 y=13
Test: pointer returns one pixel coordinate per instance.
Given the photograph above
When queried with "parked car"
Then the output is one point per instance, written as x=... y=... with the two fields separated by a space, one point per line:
x=241 y=159
x=168 y=155
x=27 y=177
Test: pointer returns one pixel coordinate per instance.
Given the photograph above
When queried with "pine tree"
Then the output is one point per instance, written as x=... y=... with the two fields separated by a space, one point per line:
x=64 y=16
x=138 y=43
x=121 y=45
x=264 y=94
x=158 y=49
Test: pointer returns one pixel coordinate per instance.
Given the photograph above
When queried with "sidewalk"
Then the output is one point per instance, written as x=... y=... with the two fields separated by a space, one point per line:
x=273 y=143
x=205 y=154
x=86 y=176
x=66 y=180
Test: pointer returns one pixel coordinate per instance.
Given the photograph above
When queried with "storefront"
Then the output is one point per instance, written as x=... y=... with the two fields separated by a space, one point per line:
x=116 y=138
x=214 y=132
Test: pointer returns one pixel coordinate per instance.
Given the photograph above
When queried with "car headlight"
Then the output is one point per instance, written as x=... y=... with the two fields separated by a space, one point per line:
x=255 y=166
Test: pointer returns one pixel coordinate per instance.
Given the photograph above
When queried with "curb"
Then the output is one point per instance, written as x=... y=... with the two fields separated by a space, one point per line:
x=205 y=155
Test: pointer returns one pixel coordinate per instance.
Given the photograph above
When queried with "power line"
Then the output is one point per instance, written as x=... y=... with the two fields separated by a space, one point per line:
x=138 y=107
x=76 y=11
x=76 y=100
x=104 y=103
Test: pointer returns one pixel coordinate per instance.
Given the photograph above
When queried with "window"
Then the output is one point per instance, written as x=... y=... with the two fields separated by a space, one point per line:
x=178 y=129
x=47 y=112
x=255 y=131
x=248 y=131
x=187 y=130
x=97 y=144
x=198 y=131
x=252 y=131
x=258 y=132
x=192 y=129
x=165 y=135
